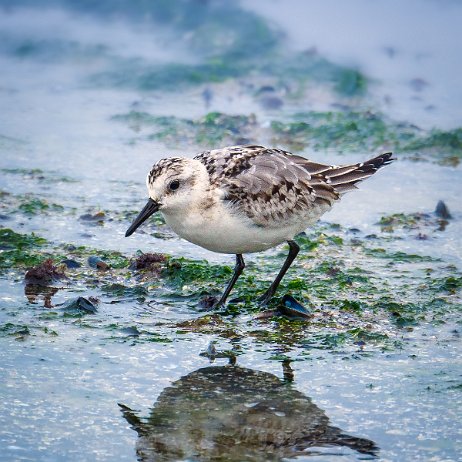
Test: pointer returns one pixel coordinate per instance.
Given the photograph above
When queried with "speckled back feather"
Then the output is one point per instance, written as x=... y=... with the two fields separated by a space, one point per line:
x=272 y=186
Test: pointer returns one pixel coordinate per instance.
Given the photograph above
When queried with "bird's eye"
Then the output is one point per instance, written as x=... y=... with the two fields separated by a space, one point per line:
x=175 y=184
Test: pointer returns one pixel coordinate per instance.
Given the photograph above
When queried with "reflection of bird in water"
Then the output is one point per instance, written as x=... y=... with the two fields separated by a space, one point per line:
x=34 y=291
x=234 y=414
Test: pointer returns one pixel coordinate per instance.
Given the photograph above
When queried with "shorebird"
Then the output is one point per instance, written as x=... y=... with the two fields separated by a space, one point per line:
x=245 y=199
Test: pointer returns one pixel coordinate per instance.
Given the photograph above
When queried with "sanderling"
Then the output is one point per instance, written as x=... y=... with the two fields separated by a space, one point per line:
x=244 y=199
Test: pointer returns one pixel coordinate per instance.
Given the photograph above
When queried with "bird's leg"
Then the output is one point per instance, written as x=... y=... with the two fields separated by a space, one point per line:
x=293 y=251
x=287 y=371
x=240 y=265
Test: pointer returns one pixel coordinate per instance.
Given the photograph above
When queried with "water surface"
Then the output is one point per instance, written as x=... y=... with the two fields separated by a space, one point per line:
x=63 y=376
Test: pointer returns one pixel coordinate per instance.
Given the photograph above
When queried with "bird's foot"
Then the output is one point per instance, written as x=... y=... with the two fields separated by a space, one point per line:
x=264 y=299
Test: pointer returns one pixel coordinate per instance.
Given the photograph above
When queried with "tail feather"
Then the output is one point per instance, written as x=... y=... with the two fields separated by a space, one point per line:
x=337 y=171
x=351 y=177
x=344 y=178
x=344 y=188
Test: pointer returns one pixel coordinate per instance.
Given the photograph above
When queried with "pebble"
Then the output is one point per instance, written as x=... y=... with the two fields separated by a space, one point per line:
x=71 y=264
x=80 y=304
x=96 y=262
x=442 y=211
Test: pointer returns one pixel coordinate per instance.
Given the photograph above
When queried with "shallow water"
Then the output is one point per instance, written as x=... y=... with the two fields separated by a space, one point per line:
x=62 y=376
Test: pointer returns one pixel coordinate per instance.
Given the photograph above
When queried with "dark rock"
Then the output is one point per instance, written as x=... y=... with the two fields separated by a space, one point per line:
x=71 y=264
x=96 y=262
x=243 y=140
x=130 y=331
x=266 y=89
x=207 y=95
x=271 y=102
x=390 y=51
x=79 y=305
x=93 y=218
x=442 y=211
x=418 y=84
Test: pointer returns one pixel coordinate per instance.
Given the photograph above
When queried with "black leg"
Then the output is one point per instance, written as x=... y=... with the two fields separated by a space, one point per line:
x=293 y=252
x=240 y=265
x=287 y=371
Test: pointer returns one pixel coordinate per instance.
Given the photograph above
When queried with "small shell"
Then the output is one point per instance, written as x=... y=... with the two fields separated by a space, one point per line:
x=293 y=309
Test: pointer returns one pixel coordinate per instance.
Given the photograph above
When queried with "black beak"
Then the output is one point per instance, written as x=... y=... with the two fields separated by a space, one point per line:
x=150 y=208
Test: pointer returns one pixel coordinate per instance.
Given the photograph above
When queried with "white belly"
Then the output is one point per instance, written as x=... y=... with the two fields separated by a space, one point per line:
x=220 y=231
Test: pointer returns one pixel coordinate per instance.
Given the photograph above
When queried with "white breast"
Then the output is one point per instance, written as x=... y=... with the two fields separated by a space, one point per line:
x=219 y=230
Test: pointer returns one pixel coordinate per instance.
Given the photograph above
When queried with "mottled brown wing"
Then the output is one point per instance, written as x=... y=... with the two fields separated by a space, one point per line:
x=268 y=185
x=272 y=186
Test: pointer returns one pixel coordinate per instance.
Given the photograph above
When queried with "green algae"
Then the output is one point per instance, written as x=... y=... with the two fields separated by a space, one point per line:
x=451 y=284
x=437 y=139
x=357 y=131
x=289 y=69
x=30 y=205
x=16 y=330
x=212 y=129
x=350 y=305
x=113 y=258
x=34 y=206
x=422 y=222
x=195 y=276
x=216 y=126
x=399 y=257
x=119 y=290
x=222 y=29
x=33 y=172
x=350 y=82
x=39 y=174
x=344 y=131
x=27 y=250
x=400 y=220
x=231 y=43
x=228 y=39
x=19 y=249
x=22 y=331
x=335 y=340
x=172 y=76
x=346 y=285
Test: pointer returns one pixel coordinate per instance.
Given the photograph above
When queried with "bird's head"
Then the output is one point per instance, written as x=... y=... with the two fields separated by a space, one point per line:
x=173 y=184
